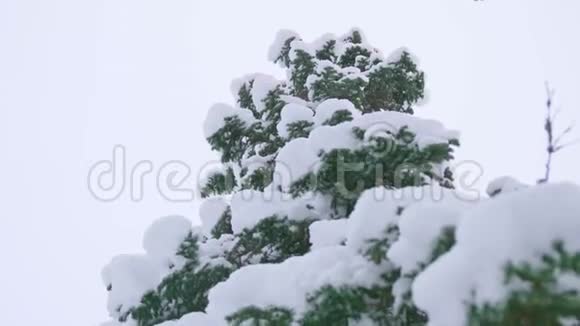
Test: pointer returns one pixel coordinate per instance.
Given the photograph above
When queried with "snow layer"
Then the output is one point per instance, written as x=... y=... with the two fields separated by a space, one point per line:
x=263 y=84
x=238 y=83
x=294 y=161
x=378 y=208
x=420 y=226
x=218 y=112
x=299 y=45
x=515 y=227
x=301 y=156
x=210 y=171
x=376 y=124
x=327 y=233
x=194 y=319
x=281 y=37
x=296 y=100
x=131 y=276
x=163 y=237
x=396 y=55
x=392 y=120
x=287 y=284
x=327 y=138
x=293 y=113
x=212 y=250
x=210 y=212
x=249 y=207
x=327 y=108
x=128 y=278
x=504 y=185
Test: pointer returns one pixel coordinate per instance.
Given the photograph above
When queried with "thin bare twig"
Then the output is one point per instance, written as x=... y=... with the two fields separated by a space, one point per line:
x=555 y=143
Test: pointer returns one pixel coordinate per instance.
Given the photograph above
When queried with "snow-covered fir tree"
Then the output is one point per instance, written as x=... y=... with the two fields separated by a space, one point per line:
x=335 y=205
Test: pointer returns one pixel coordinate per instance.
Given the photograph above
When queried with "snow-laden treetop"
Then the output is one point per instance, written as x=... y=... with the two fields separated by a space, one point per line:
x=336 y=206
x=291 y=151
x=340 y=93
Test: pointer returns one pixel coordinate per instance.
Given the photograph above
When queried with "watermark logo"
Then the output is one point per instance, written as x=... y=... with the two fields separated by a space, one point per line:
x=108 y=180
x=176 y=181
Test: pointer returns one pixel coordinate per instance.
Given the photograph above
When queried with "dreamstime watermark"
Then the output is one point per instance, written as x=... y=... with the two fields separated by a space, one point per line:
x=112 y=179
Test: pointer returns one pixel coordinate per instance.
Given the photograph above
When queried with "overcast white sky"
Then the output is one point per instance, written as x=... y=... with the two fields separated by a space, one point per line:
x=78 y=77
